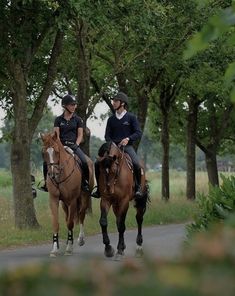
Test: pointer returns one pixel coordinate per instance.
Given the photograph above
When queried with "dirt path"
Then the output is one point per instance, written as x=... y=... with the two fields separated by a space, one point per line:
x=159 y=241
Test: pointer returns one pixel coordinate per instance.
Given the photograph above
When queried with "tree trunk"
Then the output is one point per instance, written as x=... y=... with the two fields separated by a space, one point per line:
x=191 y=147
x=24 y=211
x=23 y=131
x=211 y=165
x=165 y=157
x=83 y=72
x=142 y=99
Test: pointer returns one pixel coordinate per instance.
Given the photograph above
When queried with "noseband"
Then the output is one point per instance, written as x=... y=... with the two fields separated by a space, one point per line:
x=112 y=164
x=55 y=169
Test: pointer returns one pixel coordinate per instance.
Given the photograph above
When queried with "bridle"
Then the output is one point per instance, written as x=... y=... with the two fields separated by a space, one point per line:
x=118 y=161
x=55 y=169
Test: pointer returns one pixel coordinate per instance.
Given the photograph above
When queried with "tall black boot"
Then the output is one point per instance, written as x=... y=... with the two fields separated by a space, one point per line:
x=85 y=177
x=138 y=189
x=45 y=170
x=96 y=194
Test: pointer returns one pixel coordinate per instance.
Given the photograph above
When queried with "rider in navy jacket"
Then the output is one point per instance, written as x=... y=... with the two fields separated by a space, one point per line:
x=123 y=129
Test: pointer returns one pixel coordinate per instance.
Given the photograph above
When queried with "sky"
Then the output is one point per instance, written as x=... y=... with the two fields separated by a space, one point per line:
x=97 y=126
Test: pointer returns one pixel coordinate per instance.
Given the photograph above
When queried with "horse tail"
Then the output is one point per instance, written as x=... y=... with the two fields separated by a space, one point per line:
x=142 y=202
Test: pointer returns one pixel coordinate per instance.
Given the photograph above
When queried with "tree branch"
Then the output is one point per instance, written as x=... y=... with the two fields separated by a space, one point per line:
x=51 y=73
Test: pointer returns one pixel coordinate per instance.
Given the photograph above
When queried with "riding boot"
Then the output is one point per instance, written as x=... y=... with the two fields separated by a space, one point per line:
x=96 y=194
x=85 y=178
x=138 y=189
x=45 y=170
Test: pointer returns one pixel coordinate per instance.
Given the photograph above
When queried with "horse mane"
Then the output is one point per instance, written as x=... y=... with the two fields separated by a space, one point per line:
x=50 y=139
x=104 y=148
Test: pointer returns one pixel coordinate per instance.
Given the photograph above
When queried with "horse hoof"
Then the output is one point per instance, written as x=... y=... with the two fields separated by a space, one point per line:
x=109 y=251
x=53 y=254
x=139 y=252
x=81 y=242
x=68 y=253
x=119 y=256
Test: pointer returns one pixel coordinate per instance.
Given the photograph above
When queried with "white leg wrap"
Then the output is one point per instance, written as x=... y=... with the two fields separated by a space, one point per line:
x=54 y=252
x=81 y=237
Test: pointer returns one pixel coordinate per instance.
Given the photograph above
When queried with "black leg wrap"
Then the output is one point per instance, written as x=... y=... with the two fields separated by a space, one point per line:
x=70 y=236
x=56 y=239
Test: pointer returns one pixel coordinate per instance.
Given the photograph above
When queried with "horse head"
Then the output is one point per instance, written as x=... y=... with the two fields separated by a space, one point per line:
x=51 y=154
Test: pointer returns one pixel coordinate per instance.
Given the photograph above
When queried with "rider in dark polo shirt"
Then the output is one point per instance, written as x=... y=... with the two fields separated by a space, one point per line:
x=123 y=129
x=69 y=127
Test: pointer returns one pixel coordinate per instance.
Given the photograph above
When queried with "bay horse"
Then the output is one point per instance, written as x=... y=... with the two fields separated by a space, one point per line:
x=116 y=185
x=64 y=185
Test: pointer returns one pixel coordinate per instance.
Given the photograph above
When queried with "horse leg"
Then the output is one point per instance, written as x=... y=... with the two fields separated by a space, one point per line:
x=69 y=244
x=70 y=225
x=139 y=239
x=54 y=205
x=120 y=222
x=81 y=237
x=104 y=207
x=83 y=205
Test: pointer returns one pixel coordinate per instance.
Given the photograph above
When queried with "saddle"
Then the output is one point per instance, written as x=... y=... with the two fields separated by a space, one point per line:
x=105 y=148
x=129 y=161
x=78 y=160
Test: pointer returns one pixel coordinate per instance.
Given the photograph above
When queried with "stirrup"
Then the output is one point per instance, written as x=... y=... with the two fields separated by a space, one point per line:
x=138 y=193
x=95 y=194
x=43 y=188
x=85 y=186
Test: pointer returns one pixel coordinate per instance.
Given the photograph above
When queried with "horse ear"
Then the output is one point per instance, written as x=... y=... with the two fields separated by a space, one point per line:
x=55 y=135
x=41 y=135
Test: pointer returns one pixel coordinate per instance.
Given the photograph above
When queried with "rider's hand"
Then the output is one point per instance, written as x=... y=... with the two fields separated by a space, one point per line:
x=124 y=142
x=74 y=147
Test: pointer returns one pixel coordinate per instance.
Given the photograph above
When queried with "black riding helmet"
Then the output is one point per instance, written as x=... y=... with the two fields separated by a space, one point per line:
x=121 y=96
x=68 y=100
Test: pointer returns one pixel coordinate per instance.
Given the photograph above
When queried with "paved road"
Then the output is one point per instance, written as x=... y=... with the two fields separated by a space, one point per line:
x=159 y=242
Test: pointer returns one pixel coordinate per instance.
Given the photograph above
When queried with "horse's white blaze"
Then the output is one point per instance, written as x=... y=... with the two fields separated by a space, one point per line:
x=50 y=151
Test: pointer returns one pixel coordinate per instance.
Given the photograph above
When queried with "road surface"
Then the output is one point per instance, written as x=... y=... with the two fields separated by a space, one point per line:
x=163 y=241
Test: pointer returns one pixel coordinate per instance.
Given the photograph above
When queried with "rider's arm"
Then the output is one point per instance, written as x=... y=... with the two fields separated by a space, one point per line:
x=57 y=130
x=137 y=133
x=108 y=132
x=80 y=136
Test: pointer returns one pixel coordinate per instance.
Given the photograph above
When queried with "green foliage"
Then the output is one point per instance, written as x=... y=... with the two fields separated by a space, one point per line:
x=205 y=268
x=215 y=27
x=216 y=206
x=5 y=179
x=220 y=23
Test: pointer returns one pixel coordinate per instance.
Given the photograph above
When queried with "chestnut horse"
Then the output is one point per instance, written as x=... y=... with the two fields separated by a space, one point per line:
x=64 y=184
x=116 y=184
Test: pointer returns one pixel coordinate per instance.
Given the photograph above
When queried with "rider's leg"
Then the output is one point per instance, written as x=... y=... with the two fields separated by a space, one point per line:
x=45 y=170
x=138 y=188
x=137 y=170
x=96 y=193
x=85 y=169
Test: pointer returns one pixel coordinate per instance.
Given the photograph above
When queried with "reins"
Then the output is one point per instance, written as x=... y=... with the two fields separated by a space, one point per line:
x=119 y=164
x=60 y=168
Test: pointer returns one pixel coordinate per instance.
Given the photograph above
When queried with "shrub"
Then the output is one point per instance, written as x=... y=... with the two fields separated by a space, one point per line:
x=214 y=207
x=5 y=179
